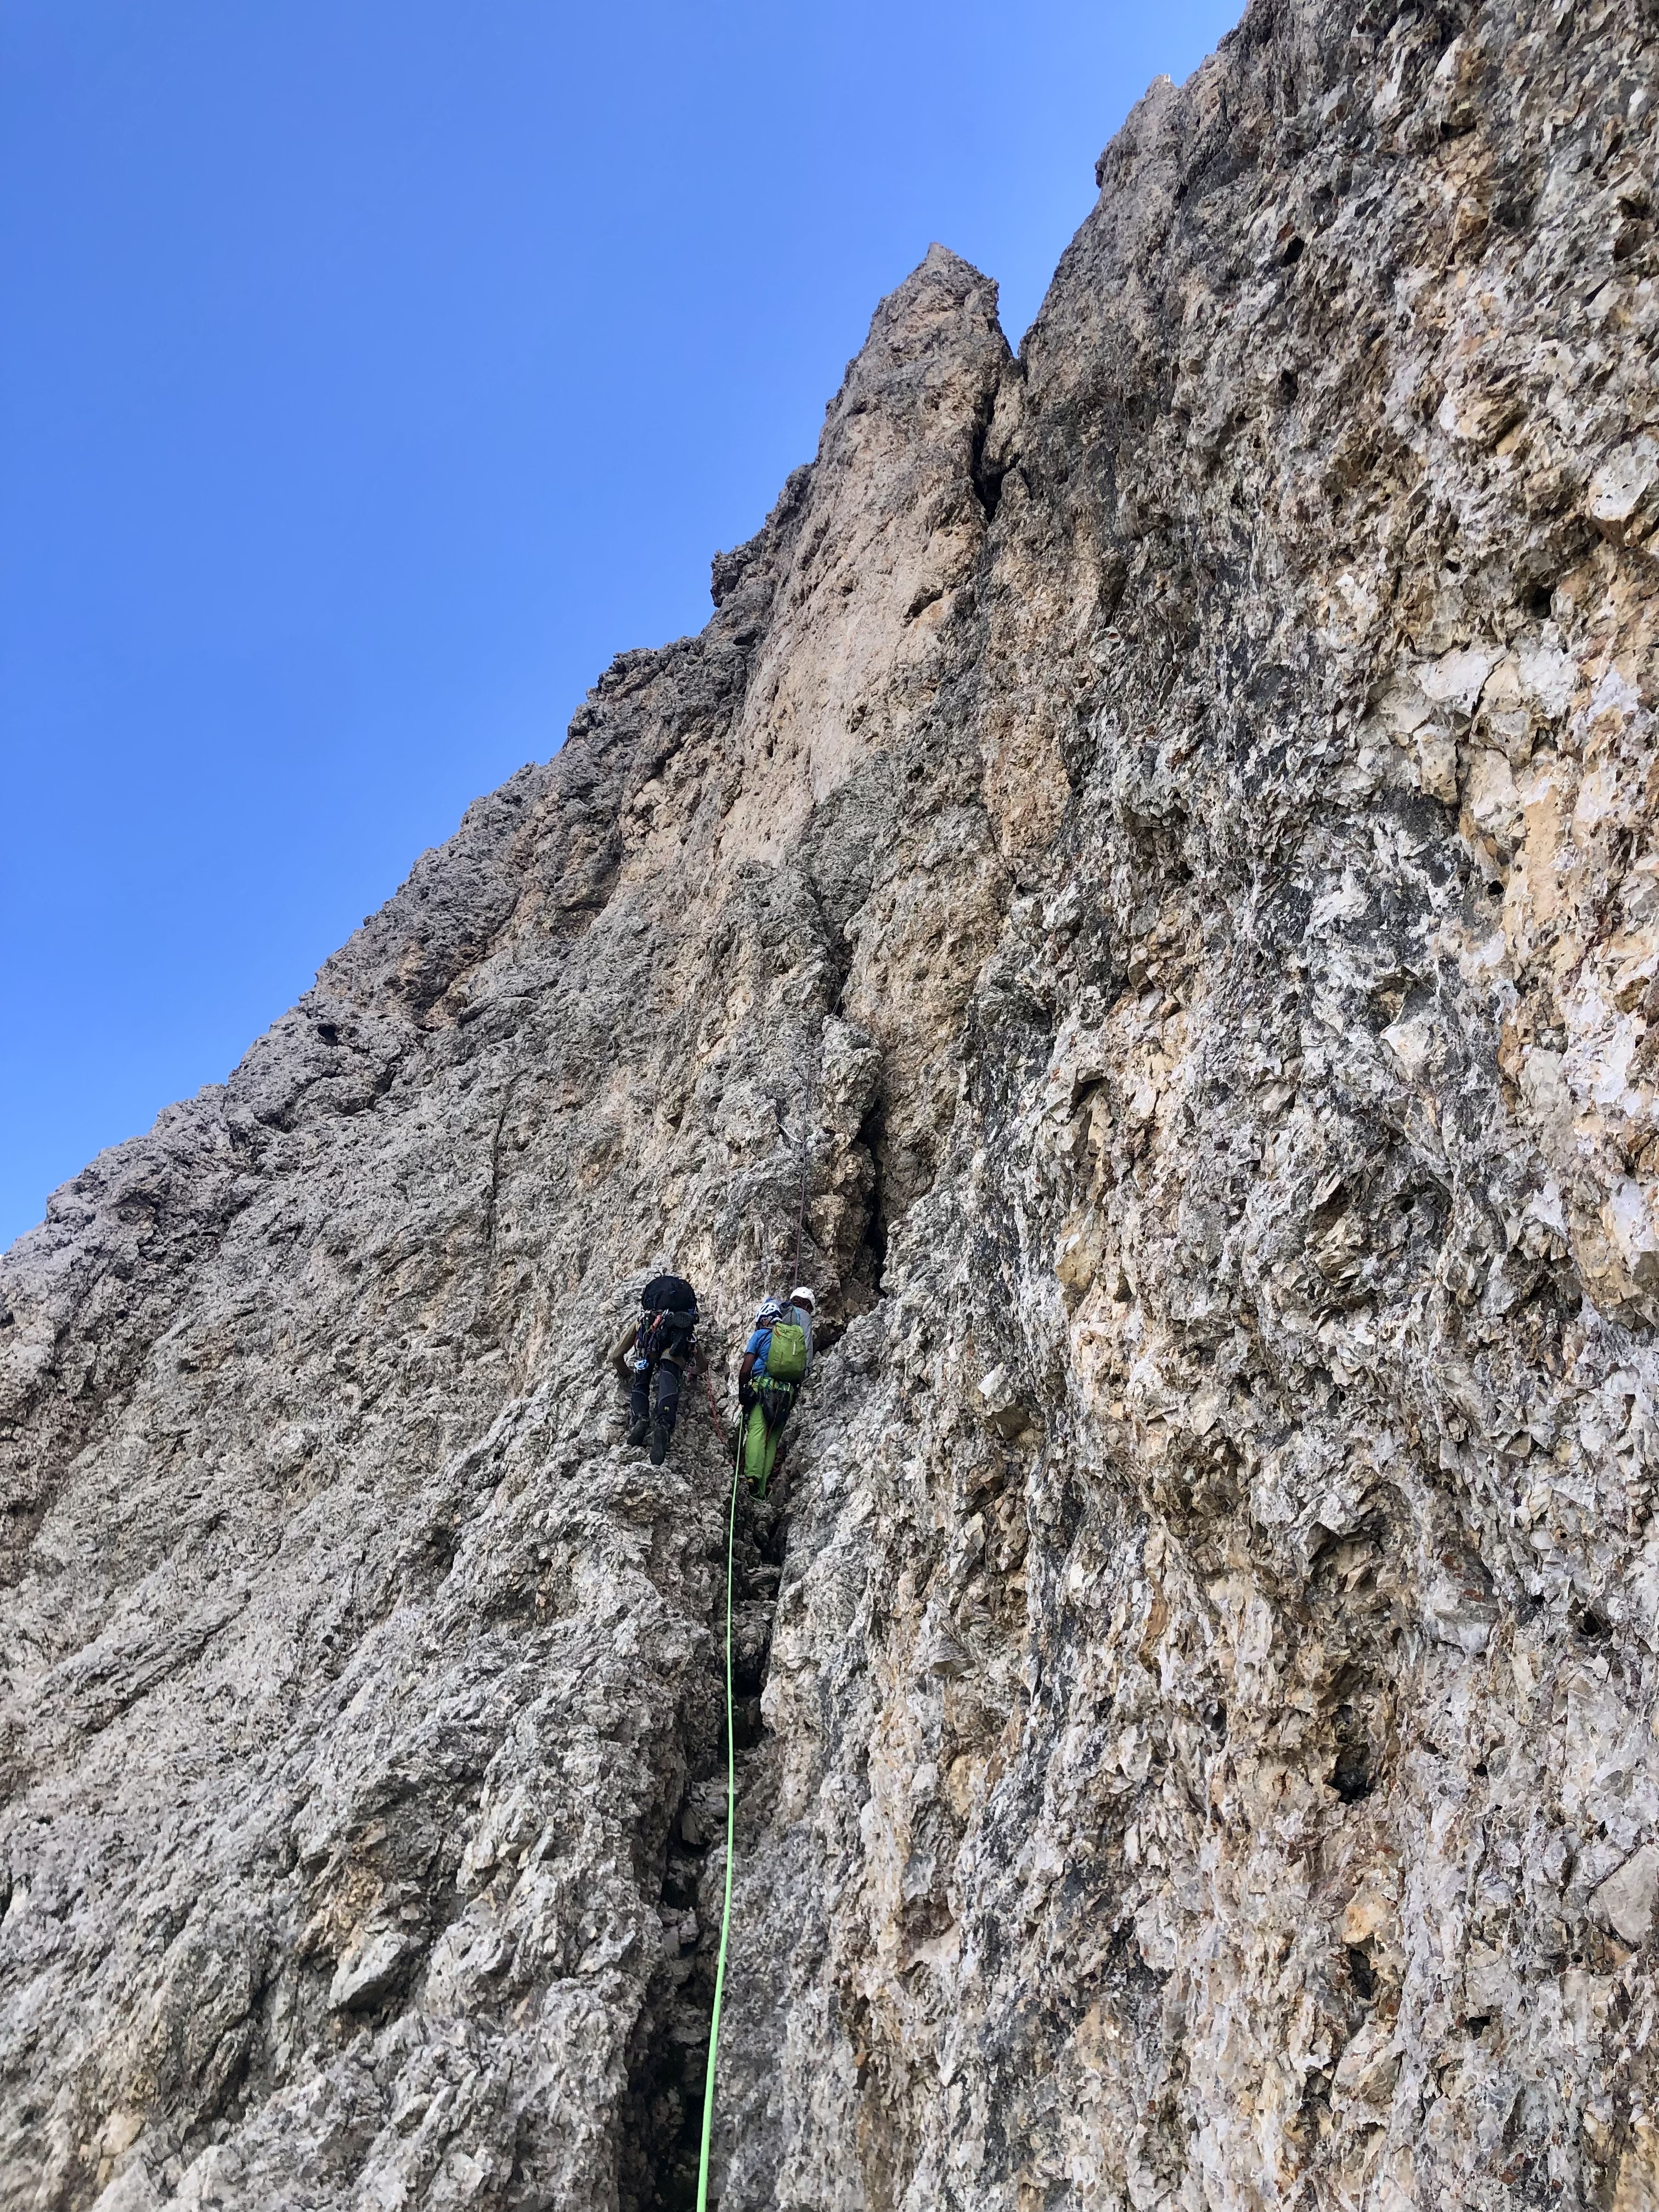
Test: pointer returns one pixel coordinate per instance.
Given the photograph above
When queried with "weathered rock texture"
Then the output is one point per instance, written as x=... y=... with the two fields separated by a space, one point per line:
x=1180 y=804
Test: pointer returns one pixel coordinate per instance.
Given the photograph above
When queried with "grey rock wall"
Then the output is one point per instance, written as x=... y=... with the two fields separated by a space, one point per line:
x=1164 y=824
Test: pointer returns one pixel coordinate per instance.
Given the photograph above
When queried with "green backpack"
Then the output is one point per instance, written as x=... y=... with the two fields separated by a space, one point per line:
x=786 y=1356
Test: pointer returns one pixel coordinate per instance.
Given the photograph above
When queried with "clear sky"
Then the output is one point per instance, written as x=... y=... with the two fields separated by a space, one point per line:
x=371 y=372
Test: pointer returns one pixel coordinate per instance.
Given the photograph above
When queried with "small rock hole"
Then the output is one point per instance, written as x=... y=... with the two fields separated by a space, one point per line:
x=1360 y=1973
x=1350 y=1777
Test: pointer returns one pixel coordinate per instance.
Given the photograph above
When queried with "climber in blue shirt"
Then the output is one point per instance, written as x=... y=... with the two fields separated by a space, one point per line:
x=776 y=1360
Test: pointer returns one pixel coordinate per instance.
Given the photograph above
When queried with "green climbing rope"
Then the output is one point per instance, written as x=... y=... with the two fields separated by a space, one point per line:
x=730 y=1747
x=731 y=1823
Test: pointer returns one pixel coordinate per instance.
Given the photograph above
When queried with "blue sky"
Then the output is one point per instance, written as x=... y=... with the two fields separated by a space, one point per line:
x=371 y=372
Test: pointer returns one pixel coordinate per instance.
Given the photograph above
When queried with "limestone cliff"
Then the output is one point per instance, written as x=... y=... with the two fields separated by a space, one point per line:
x=1168 y=823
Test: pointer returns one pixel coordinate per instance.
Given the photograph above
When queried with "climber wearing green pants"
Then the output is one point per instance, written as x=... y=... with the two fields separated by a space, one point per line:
x=777 y=1361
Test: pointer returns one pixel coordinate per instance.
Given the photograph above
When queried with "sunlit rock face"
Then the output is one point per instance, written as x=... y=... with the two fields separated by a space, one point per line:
x=1164 y=827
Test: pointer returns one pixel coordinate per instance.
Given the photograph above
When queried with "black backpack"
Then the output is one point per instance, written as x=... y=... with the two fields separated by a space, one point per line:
x=671 y=1316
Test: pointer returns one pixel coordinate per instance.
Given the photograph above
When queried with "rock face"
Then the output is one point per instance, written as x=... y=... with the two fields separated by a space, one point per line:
x=1164 y=827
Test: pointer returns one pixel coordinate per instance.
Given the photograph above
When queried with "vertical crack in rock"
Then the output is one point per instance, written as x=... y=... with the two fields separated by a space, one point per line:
x=661 y=2138
x=1183 y=801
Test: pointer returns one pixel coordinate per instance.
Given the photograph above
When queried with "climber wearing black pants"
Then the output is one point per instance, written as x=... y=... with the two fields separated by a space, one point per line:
x=665 y=1345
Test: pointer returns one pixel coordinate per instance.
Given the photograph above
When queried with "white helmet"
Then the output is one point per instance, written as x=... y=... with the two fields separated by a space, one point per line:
x=801 y=1296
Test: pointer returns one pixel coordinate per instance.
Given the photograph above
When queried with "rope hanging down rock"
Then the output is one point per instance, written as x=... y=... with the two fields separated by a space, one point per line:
x=731 y=1827
x=714 y=1410
x=800 y=1214
x=731 y=1739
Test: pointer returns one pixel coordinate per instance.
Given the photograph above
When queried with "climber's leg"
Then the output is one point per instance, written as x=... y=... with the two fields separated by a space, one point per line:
x=754 y=1449
x=760 y=1451
x=668 y=1404
x=670 y=1375
x=639 y=1402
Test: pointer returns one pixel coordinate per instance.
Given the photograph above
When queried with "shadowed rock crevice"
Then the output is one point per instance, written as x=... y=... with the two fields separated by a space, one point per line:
x=660 y=2115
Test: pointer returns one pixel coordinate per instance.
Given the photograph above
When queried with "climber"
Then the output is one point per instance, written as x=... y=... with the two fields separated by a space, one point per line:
x=665 y=1344
x=777 y=1361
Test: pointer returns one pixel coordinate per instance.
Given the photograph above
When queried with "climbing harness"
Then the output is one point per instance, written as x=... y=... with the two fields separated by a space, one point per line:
x=731 y=1827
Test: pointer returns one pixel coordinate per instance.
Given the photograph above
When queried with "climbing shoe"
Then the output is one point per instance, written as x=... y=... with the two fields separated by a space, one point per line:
x=658 y=1445
x=636 y=1434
